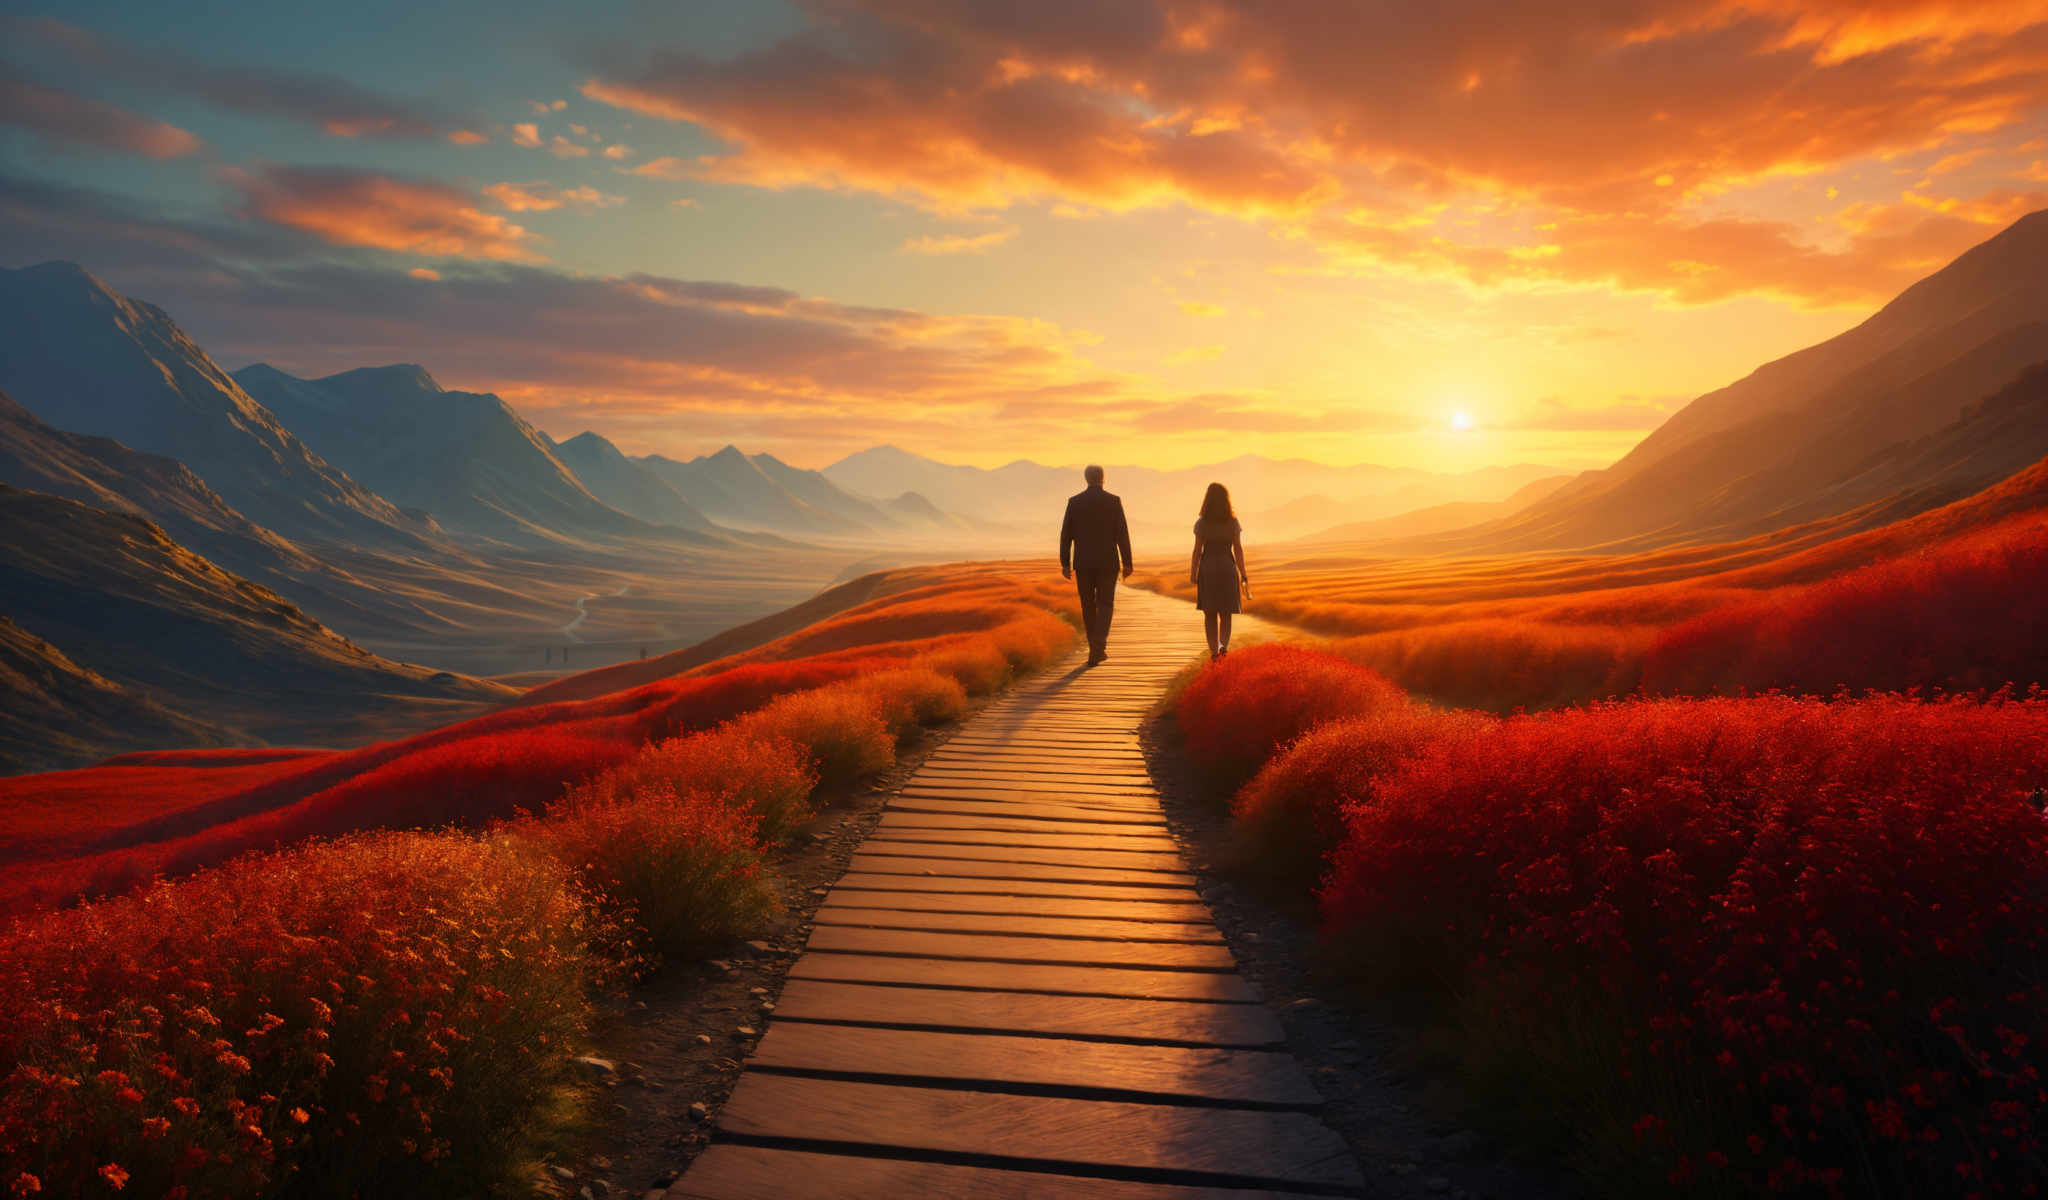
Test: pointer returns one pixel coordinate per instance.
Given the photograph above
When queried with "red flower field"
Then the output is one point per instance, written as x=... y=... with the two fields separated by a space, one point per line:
x=1717 y=946
x=353 y=1007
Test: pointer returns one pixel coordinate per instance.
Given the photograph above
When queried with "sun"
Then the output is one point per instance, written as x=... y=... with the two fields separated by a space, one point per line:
x=1461 y=421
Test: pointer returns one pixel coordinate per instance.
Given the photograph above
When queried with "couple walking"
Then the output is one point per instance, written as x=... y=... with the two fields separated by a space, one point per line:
x=1095 y=541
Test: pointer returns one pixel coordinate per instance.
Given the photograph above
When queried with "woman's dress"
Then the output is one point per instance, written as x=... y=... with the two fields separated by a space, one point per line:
x=1216 y=577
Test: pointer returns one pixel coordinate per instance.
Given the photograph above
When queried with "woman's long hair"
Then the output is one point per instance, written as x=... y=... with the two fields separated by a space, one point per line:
x=1216 y=503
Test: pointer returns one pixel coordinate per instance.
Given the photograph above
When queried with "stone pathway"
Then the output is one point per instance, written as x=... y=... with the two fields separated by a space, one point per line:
x=1015 y=990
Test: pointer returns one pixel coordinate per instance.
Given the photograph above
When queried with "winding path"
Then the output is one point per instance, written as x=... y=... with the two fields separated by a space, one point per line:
x=1015 y=990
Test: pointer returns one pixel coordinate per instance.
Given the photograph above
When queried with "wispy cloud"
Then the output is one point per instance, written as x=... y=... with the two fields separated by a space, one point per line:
x=665 y=167
x=545 y=197
x=365 y=208
x=958 y=243
x=63 y=118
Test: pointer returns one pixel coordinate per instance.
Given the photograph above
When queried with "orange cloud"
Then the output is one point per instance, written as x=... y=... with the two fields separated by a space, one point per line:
x=958 y=243
x=363 y=208
x=543 y=197
x=526 y=134
x=665 y=167
x=468 y=137
x=63 y=117
x=1611 y=120
x=1002 y=142
x=1690 y=261
x=562 y=147
x=618 y=151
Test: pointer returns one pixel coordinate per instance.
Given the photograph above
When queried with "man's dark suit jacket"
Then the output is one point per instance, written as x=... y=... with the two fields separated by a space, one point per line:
x=1094 y=533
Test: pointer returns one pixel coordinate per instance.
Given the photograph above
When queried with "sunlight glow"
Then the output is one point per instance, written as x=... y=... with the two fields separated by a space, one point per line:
x=1461 y=421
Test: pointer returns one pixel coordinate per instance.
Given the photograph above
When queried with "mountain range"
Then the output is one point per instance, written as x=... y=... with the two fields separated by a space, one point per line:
x=218 y=654
x=465 y=458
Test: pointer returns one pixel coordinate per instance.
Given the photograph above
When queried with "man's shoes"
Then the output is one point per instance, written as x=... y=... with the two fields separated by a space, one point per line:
x=1095 y=658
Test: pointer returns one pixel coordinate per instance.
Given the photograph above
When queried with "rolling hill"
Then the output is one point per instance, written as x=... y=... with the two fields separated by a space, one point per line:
x=105 y=474
x=55 y=713
x=123 y=600
x=88 y=360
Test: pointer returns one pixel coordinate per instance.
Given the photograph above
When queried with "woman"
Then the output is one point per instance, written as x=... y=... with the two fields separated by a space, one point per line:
x=1218 y=568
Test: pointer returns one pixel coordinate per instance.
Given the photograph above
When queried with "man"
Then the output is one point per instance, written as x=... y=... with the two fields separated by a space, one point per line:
x=1091 y=540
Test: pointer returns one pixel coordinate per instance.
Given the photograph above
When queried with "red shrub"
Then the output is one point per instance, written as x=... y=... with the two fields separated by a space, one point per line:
x=768 y=777
x=1290 y=817
x=1796 y=938
x=839 y=728
x=675 y=867
x=910 y=698
x=977 y=664
x=366 y=1016
x=1240 y=711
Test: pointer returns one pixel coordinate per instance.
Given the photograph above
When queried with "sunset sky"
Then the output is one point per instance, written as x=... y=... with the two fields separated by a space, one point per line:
x=1444 y=235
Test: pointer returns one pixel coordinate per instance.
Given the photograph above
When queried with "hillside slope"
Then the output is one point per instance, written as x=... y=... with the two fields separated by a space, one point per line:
x=122 y=599
x=105 y=474
x=55 y=713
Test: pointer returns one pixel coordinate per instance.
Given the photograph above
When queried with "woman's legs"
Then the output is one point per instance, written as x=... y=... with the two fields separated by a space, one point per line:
x=1209 y=629
x=1223 y=621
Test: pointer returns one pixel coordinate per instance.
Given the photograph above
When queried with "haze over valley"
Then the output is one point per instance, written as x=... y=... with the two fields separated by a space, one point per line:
x=376 y=518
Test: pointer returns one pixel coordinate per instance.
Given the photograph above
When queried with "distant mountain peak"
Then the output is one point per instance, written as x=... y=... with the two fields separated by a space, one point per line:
x=729 y=454
x=58 y=269
x=410 y=375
